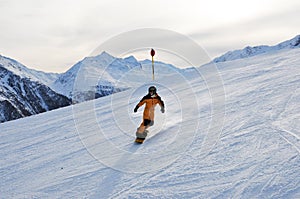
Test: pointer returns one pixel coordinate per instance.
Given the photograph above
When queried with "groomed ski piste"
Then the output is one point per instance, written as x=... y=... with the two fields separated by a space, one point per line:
x=248 y=148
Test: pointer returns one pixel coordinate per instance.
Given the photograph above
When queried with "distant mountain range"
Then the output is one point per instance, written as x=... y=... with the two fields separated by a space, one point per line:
x=25 y=92
x=252 y=51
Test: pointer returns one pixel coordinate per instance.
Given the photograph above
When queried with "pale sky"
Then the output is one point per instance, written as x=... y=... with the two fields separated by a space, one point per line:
x=53 y=35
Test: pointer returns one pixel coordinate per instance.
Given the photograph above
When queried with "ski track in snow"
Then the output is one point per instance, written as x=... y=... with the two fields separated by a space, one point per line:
x=256 y=156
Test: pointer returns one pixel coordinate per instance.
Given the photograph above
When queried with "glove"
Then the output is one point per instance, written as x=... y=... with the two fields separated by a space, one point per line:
x=135 y=109
x=162 y=109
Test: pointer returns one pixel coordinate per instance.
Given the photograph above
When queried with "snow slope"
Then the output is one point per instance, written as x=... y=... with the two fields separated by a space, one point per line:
x=87 y=151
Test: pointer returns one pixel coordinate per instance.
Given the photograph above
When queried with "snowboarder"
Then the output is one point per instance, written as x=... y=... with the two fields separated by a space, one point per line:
x=151 y=99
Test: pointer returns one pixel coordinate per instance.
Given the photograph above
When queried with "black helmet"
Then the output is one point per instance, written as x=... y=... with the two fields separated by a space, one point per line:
x=152 y=89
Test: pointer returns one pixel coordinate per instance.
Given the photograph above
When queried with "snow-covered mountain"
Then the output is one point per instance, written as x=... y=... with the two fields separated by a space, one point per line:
x=91 y=78
x=252 y=51
x=23 y=94
x=22 y=71
x=97 y=74
x=86 y=150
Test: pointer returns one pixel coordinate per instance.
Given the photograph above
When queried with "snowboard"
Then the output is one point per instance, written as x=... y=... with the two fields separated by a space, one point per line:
x=139 y=140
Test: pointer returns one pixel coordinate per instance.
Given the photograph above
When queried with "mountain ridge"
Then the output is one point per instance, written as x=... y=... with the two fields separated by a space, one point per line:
x=21 y=96
x=257 y=50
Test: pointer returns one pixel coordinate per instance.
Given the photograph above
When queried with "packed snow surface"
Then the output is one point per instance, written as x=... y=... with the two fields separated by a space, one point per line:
x=87 y=150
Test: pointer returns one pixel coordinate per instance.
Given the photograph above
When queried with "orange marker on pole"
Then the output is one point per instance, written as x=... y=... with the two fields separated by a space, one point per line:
x=152 y=54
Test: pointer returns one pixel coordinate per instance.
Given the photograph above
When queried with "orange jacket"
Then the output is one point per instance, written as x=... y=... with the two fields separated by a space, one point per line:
x=150 y=105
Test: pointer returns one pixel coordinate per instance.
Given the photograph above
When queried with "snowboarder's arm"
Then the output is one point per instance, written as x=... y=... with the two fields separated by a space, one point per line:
x=162 y=104
x=139 y=104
